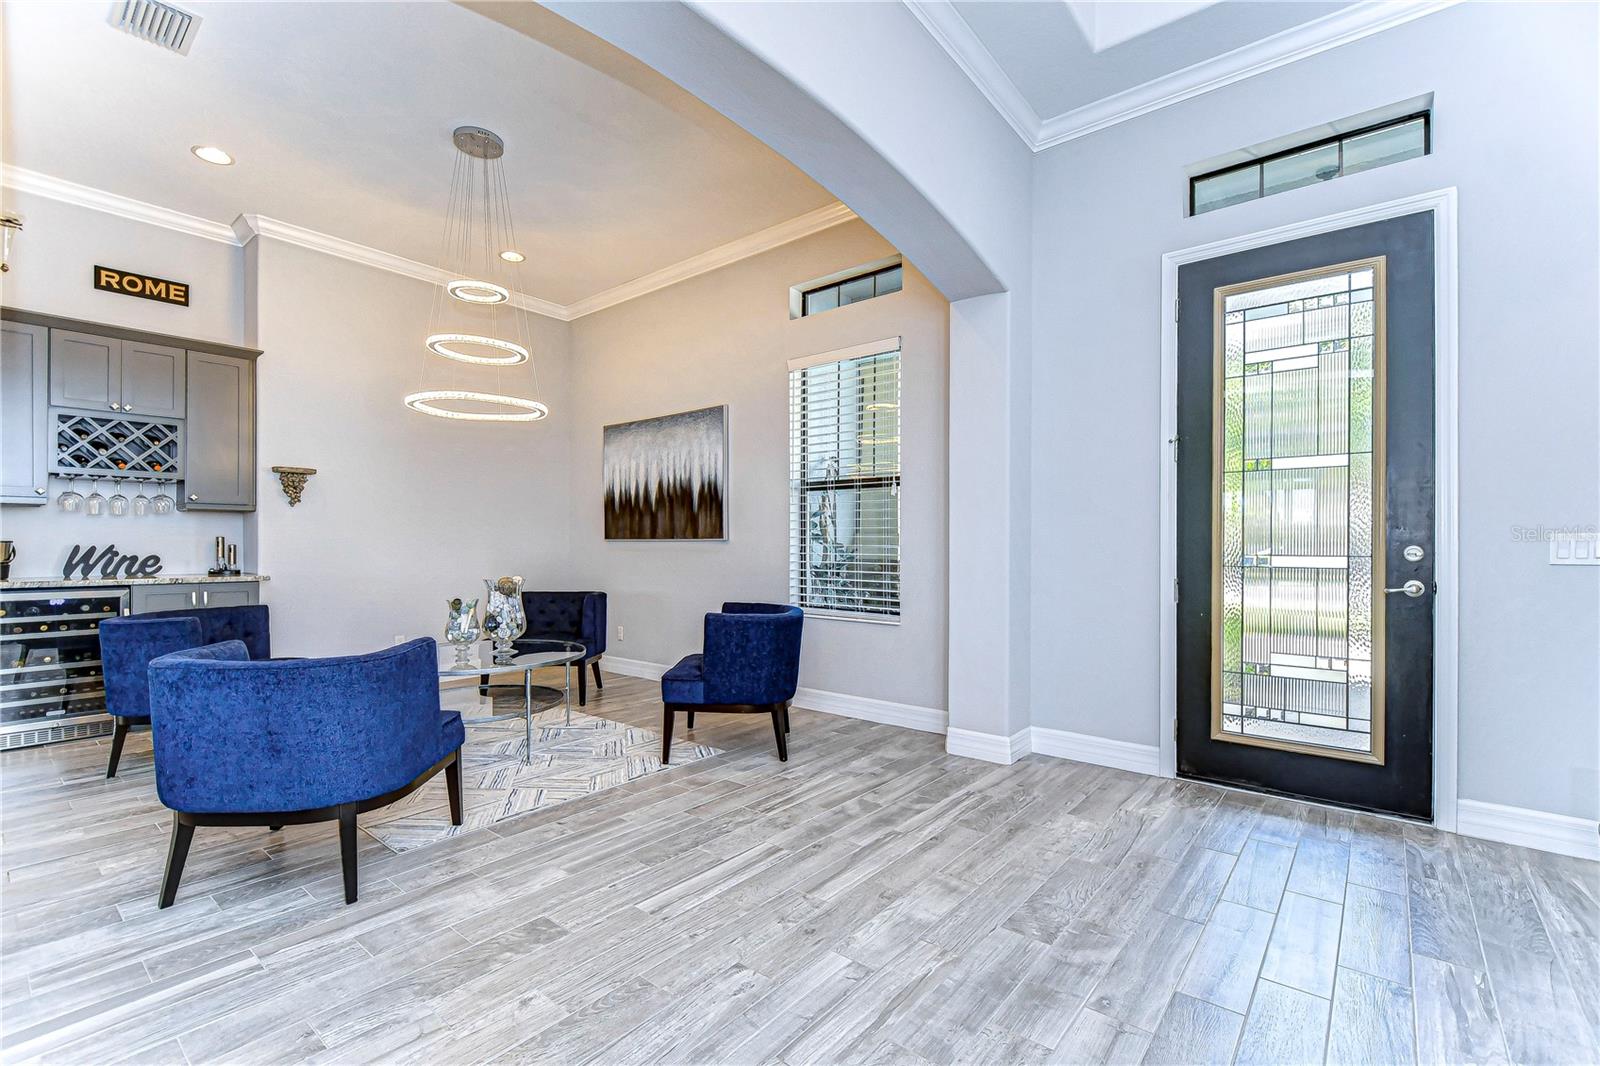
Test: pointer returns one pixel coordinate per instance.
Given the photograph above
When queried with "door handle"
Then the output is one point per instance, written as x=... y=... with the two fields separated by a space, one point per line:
x=205 y=598
x=194 y=599
x=1412 y=588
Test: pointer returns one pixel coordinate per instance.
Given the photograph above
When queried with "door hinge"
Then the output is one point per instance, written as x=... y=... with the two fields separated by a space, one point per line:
x=1175 y=306
x=1174 y=590
x=1174 y=442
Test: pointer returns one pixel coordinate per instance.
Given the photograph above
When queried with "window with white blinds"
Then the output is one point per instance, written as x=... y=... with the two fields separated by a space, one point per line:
x=844 y=481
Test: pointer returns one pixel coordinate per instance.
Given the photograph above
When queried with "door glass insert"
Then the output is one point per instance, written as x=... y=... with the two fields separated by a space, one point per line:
x=1297 y=626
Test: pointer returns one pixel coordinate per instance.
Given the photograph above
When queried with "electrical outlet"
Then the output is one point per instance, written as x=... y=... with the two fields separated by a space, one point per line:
x=619 y=634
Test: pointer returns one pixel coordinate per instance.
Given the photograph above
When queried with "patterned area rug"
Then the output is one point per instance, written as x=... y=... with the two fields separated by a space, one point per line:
x=569 y=762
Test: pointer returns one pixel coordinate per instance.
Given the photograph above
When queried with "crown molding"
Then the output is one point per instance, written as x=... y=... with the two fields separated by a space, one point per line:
x=70 y=192
x=945 y=24
x=248 y=227
x=955 y=35
x=724 y=254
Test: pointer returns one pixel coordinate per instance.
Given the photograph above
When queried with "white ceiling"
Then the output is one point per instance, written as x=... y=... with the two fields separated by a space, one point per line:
x=1043 y=49
x=339 y=116
x=1058 y=69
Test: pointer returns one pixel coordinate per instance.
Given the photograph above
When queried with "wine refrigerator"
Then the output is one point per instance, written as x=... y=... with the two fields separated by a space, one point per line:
x=51 y=683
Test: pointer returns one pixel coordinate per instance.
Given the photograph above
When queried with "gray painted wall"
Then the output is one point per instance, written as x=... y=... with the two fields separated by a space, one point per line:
x=1515 y=115
x=726 y=338
x=405 y=510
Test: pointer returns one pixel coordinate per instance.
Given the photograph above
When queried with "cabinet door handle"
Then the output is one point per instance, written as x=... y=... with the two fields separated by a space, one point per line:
x=38 y=492
x=194 y=599
x=192 y=496
x=205 y=597
x=116 y=407
x=127 y=407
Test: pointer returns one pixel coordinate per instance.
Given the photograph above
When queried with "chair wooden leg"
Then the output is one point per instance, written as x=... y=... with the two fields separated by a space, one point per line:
x=598 y=684
x=177 y=852
x=691 y=720
x=347 y=849
x=583 y=686
x=786 y=717
x=273 y=828
x=452 y=780
x=777 y=731
x=666 y=734
x=118 y=735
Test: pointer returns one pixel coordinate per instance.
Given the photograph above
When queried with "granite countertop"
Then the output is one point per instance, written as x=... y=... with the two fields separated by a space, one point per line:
x=159 y=579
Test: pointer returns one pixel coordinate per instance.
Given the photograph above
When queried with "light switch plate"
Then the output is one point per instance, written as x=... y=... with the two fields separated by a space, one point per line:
x=1575 y=549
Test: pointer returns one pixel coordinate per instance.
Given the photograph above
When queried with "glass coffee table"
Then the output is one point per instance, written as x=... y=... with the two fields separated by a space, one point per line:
x=533 y=655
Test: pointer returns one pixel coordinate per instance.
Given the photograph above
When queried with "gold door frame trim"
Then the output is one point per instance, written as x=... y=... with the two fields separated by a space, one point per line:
x=1380 y=522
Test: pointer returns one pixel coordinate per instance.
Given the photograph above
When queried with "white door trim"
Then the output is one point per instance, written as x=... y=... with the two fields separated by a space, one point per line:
x=1442 y=203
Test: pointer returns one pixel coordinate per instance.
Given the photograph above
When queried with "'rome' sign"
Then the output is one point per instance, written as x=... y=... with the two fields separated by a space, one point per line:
x=107 y=279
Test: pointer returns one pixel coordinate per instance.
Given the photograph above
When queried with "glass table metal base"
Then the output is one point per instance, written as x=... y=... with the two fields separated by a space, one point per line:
x=536 y=656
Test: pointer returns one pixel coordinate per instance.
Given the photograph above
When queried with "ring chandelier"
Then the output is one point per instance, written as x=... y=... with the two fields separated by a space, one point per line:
x=474 y=326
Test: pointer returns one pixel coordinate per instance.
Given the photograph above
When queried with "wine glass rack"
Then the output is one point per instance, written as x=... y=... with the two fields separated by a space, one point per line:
x=86 y=445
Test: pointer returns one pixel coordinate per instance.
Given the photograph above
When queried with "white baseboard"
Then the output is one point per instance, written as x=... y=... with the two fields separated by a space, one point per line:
x=1560 y=833
x=632 y=667
x=885 y=712
x=1140 y=758
x=990 y=747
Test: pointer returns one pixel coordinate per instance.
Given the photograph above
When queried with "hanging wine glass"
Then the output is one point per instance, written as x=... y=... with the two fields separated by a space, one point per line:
x=94 y=503
x=71 y=501
x=141 y=502
x=118 y=504
x=164 y=503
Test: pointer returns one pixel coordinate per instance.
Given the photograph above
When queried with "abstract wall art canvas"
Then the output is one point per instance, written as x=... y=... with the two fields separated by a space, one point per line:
x=666 y=478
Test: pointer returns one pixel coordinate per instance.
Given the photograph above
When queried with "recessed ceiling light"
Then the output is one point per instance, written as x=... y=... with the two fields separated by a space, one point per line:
x=512 y=257
x=212 y=154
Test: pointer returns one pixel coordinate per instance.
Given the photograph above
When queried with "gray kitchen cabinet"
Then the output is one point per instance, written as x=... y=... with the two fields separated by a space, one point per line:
x=230 y=594
x=24 y=389
x=153 y=379
x=220 y=443
x=85 y=371
x=147 y=598
x=106 y=374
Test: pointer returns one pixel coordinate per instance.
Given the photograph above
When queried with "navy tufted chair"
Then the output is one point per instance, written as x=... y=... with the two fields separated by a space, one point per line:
x=128 y=644
x=287 y=741
x=576 y=616
x=750 y=665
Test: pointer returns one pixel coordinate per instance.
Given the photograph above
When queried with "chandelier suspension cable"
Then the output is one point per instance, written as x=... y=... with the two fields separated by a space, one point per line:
x=519 y=315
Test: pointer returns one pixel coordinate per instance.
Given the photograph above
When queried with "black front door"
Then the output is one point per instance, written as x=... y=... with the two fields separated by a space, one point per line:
x=1306 y=517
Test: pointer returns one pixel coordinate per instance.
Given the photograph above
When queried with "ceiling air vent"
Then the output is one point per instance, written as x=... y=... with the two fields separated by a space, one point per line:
x=170 y=27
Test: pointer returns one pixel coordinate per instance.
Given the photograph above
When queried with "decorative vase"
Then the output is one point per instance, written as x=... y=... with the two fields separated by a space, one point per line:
x=463 y=629
x=503 y=616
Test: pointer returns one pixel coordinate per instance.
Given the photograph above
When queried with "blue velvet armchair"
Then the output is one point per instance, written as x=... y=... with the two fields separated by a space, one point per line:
x=127 y=645
x=288 y=741
x=576 y=616
x=750 y=665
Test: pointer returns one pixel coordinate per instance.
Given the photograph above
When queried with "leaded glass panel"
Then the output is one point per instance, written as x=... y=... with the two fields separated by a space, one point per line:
x=1298 y=360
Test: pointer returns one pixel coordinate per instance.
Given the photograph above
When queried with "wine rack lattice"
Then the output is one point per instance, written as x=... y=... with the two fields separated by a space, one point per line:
x=88 y=445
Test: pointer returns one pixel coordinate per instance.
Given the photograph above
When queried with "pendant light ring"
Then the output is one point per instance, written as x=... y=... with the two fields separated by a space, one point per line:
x=519 y=410
x=511 y=353
x=469 y=290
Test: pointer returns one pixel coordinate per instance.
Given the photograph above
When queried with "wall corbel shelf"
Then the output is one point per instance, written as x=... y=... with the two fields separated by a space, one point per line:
x=293 y=480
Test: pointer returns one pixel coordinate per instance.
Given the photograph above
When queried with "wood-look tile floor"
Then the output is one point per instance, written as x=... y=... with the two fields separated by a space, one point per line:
x=874 y=900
